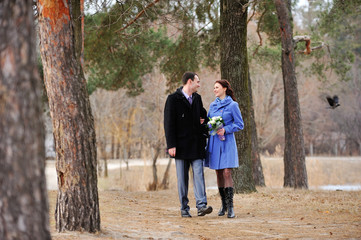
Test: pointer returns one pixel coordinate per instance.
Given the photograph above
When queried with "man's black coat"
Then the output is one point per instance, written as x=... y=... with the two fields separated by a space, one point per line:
x=182 y=126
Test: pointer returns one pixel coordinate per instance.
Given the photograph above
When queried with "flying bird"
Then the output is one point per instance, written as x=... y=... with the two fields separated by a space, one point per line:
x=334 y=103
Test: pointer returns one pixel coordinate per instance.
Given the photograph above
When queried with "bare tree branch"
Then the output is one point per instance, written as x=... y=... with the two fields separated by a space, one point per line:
x=258 y=32
x=252 y=15
x=245 y=6
x=254 y=4
x=201 y=29
x=307 y=40
x=138 y=16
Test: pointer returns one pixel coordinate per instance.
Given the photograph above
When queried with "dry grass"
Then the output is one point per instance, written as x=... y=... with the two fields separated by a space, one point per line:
x=320 y=170
x=135 y=179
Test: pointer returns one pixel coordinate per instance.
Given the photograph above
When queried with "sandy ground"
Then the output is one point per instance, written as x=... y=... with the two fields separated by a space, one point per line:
x=269 y=213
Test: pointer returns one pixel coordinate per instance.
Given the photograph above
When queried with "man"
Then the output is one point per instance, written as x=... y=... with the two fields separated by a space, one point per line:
x=185 y=132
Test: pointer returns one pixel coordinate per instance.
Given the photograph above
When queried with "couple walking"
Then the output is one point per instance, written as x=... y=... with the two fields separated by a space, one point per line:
x=186 y=131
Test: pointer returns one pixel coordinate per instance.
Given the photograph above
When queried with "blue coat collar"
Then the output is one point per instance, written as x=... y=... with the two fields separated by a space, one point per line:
x=218 y=103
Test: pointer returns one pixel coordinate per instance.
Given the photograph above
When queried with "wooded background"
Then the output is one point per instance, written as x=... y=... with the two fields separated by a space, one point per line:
x=129 y=121
x=107 y=67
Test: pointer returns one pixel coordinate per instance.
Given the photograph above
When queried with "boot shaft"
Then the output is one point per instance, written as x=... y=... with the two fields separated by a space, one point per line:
x=229 y=200
x=229 y=196
x=222 y=192
x=223 y=208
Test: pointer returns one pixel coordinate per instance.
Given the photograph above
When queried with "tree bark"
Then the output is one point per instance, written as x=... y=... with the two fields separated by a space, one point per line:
x=112 y=151
x=165 y=181
x=258 y=177
x=234 y=68
x=294 y=153
x=23 y=193
x=154 y=186
x=104 y=157
x=117 y=152
x=61 y=37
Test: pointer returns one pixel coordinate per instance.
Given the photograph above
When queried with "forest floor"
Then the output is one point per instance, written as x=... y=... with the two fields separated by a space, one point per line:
x=130 y=212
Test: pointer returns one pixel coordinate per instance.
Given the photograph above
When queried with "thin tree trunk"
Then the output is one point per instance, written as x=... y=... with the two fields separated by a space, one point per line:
x=294 y=154
x=112 y=151
x=23 y=193
x=256 y=159
x=105 y=166
x=130 y=124
x=99 y=150
x=125 y=158
x=99 y=162
x=117 y=152
x=289 y=176
x=104 y=156
x=61 y=37
x=165 y=181
x=153 y=186
x=234 y=68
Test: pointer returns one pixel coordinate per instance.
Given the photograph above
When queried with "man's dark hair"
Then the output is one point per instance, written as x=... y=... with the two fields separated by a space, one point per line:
x=188 y=75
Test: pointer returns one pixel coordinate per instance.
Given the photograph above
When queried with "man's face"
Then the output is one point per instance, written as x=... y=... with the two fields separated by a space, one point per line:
x=195 y=84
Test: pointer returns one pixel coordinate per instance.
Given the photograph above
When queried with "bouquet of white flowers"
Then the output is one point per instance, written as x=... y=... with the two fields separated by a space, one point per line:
x=215 y=123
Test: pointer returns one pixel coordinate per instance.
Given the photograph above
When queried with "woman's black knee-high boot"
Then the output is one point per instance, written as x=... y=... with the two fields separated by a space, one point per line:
x=223 y=209
x=229 y=201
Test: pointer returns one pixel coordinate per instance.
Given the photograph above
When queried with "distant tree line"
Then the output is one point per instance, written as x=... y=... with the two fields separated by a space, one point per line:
x=121 y=47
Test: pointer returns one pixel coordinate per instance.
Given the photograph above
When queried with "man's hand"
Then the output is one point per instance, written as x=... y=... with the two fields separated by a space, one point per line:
x=202 y=120
x=171 y=152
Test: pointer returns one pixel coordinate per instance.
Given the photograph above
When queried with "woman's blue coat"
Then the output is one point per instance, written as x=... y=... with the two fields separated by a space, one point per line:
x=223 y=154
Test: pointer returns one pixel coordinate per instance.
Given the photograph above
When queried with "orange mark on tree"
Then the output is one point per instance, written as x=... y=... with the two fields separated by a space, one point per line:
x=61 y=176
x=308 y=47
x=73 y=111
x=71 y=108
x=57 y=11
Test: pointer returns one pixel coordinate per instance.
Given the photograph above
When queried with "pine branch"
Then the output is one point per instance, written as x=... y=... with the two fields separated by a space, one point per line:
x=138 y=16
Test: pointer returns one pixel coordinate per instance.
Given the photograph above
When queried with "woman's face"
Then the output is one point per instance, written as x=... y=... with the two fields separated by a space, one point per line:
x=219 y=90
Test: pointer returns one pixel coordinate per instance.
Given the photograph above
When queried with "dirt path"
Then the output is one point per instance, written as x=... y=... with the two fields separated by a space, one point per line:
x=268 y=214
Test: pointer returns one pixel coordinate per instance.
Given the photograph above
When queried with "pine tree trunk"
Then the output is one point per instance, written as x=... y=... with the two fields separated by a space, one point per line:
x=234 y=68
x=294 y=154
x=61 y=37
x=23 y=193
x=258 y=177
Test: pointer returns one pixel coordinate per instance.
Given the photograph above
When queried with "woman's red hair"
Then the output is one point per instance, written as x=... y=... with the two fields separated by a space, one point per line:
x=226 y=84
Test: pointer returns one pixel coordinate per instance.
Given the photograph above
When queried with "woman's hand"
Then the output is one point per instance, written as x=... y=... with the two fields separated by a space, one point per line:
x=221 y=131
x=202 y=120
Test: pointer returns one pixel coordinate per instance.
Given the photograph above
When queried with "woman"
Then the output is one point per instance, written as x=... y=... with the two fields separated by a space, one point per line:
x=222 y=155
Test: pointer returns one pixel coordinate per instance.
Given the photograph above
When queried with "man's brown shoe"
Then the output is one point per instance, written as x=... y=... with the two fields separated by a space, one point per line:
x=205 y=210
